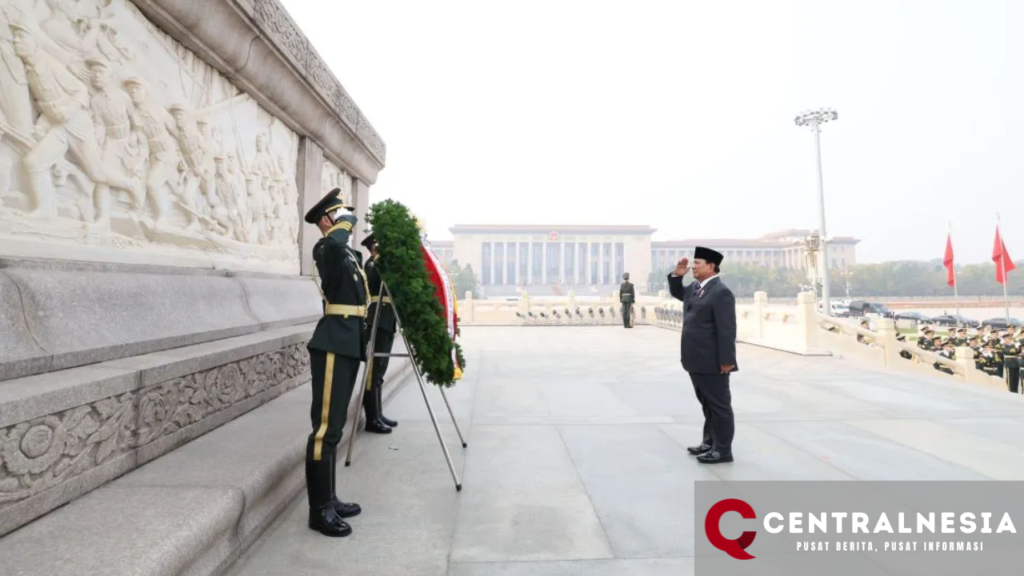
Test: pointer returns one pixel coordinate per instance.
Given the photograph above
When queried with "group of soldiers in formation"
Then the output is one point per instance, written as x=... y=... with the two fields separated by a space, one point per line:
x=994 y=351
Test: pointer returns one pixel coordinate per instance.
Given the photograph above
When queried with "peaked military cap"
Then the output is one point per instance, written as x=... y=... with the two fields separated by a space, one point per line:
x=325 y=205
x=369 y=241
x=708 y=255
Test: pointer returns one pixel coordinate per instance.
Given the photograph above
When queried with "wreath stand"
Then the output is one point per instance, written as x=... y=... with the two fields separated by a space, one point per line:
x=368 y=379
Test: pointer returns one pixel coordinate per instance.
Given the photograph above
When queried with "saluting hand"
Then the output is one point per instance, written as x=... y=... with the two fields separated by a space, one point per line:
x=682 y=267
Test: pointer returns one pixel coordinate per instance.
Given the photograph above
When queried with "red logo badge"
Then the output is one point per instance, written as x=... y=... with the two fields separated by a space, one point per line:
x=735 y=548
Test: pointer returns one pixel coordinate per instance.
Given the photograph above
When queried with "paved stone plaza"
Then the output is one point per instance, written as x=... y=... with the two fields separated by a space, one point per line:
x=577 y=464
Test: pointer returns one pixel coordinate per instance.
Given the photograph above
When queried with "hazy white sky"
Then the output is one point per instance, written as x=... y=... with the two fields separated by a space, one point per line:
x=679 y=114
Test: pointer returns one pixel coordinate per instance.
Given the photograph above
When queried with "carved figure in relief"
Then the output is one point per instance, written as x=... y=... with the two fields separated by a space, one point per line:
x=197 y=169
x=15 y=100
x=226 y=212
x=262 y=163
x=120 y=140
x=65 y=123
x=86 y=134
x=156 y=125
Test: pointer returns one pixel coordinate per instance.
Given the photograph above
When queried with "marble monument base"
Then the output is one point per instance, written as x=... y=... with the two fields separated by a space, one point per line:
x=104 y=367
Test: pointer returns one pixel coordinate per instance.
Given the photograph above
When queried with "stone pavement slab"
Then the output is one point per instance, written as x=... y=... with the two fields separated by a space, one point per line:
x=577 y=459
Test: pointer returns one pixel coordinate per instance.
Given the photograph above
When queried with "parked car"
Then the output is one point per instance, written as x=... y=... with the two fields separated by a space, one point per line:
x=915 y=316
x=861 y=308
x=839 y=309
x=952 y=320
x=1000 y=323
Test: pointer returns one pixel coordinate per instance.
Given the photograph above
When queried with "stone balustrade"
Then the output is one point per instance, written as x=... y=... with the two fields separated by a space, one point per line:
x=567 y=311
x=798 y=329
x=880 y=347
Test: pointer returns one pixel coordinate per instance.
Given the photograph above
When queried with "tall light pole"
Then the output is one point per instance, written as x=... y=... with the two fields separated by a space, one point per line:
x=814 y=119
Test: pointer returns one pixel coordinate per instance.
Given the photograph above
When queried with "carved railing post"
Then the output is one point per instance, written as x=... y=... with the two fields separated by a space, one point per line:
x=807 y=319
x=757 y=324
x=886 y=330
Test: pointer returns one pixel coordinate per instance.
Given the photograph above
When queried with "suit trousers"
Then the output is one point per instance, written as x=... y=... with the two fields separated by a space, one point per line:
x=384 y=341
x=334 y=378
x=716 y=401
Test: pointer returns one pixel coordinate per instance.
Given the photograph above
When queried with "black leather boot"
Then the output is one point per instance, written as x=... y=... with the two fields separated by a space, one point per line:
x=322 y=516
x=344 y=509
x=377 y=426
x=380 y=406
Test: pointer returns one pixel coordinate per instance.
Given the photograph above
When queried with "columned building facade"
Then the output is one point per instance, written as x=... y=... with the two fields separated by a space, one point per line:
x=553 y=259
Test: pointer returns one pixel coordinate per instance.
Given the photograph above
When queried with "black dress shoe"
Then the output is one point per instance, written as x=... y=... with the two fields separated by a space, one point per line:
x=696 y=450
x=377 y=426
x=345 y=509
x=714 y=457
x=388 y=421
x=327 y=522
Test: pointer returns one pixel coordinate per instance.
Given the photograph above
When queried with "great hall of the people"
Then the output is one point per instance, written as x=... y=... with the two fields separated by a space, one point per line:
x=588 y=259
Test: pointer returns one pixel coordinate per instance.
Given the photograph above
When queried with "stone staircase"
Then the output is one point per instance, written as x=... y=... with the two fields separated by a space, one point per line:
x=152 y=421
x=192 y=510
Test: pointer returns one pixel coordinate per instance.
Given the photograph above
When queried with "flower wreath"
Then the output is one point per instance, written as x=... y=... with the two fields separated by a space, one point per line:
x=414 y=284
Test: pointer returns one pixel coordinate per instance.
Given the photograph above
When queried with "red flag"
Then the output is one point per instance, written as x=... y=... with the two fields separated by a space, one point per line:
x=1004 y=264
x=948 y=262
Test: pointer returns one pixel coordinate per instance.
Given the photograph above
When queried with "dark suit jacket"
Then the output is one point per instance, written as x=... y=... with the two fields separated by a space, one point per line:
x=709 y=326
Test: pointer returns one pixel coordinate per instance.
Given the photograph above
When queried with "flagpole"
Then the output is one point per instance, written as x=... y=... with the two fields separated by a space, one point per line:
x=1002 y=263
x=956 y=289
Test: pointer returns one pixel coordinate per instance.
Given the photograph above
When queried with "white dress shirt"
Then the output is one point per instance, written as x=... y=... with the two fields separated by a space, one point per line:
x=704 y=282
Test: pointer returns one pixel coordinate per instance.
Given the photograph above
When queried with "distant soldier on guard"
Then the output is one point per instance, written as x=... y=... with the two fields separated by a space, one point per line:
x=337 y=348
x=373 y=402
x=627 y=295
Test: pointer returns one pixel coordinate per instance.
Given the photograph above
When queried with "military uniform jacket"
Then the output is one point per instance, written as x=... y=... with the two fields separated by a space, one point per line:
x=709 y=325
x=386 y=308
x=342 y=281
x=626 y=293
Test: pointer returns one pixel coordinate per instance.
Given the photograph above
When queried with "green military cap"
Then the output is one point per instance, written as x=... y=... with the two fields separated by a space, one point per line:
x=369 y=241
x=325 y=205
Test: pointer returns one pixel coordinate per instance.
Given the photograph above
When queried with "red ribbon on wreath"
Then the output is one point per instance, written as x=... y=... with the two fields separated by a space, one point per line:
x=445 y=292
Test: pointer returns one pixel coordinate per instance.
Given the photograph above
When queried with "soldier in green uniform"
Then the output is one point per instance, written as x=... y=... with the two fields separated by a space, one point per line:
x=945 y=349
x=988 y=358
x=927 y=340
x=627 y=296
x=1011 y=362
x=383 y=342
x=337 y=348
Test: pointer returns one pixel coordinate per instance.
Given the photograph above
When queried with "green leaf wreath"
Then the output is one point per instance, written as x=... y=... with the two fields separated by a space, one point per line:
x=402 y=267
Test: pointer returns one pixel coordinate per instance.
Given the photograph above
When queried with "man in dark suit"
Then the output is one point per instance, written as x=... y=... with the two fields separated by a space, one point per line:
x=627 y=295
x=708 y=348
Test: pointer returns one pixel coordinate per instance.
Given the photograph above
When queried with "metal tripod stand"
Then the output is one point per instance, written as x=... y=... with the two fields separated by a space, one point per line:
x=368 y=379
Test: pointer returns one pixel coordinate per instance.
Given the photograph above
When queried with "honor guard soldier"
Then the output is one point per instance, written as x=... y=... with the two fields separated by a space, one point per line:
x=337 y=348
x=384 y=339
x=627 y=295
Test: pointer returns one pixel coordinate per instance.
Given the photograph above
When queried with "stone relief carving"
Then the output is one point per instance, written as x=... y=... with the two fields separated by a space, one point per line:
x=333 y=177
x=274 y=20
x=114 y=135
x=39 y=454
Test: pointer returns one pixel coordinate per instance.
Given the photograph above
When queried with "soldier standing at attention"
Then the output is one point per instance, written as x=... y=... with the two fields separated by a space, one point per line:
x=627 y=295
x=373 y=402
x=336 y=350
